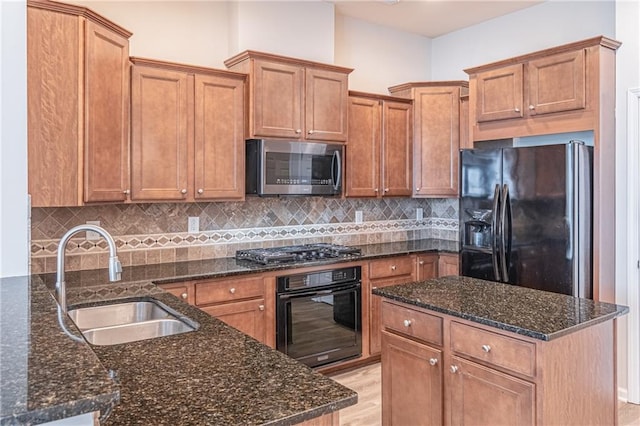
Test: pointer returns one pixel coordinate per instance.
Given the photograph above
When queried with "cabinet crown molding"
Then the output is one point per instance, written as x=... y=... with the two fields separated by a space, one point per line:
x=376 y=96
x=85 y=12
x=192 y=69
x=419 y=84
x=582 y=44
x=252 y=54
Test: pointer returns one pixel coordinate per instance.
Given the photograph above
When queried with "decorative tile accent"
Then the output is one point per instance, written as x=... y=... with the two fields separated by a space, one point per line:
x=150 y=233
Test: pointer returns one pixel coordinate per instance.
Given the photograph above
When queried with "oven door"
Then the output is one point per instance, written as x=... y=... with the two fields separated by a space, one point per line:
x=320 y=327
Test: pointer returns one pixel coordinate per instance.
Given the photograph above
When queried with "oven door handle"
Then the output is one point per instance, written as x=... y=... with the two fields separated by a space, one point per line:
x=286 y=296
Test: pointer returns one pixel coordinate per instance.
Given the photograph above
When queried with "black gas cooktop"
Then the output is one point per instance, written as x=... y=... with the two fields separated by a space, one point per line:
x=301 y=253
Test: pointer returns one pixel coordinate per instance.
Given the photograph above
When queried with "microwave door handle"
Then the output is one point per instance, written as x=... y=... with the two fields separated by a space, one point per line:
x=336 y=163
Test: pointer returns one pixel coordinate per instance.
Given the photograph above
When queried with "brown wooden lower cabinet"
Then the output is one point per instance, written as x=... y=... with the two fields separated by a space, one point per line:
x=479 y=375
x=412 y=380
x=248 y=316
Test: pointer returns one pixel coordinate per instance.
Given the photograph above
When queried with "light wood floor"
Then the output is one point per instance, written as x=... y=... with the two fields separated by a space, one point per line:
x=366 y=381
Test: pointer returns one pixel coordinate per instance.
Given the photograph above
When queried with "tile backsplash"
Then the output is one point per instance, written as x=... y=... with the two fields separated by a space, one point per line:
x=156 y=233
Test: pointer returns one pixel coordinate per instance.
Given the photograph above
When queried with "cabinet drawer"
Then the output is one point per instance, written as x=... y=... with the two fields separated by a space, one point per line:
x=411 y=322
x=391 y=267
x=228 y=290
x=494 y=349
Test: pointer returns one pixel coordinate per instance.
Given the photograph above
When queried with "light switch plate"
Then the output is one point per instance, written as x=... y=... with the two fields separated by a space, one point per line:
x=90 y=234
x=419 y=213
x=194 y=225
x=358 y=216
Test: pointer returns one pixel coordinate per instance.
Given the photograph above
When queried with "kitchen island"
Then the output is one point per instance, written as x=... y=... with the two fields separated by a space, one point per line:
x=459 y=350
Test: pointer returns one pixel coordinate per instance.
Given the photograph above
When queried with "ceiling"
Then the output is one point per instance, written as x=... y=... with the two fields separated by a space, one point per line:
x=430 y=18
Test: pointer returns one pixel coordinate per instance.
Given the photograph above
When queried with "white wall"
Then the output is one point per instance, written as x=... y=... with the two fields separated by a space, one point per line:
x=382 y=57
x=627 y=77
x=14 y=212
x=538 y=27
x=190 y=32
x=301 y=29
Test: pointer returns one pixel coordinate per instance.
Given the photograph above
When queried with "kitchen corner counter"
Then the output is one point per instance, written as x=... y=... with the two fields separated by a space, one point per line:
x=214 y=375
x=538 y=314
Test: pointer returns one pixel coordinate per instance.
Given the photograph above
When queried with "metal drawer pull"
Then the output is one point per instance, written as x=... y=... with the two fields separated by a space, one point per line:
x=486 y=348
x=232 y=290
x=261 y=307
x=393 y=267
x=454 y=369
x=184 y=295
x=433 y=361
x=407 y=323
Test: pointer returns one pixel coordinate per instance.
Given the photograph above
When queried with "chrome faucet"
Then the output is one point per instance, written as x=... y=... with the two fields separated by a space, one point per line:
x=115 y=268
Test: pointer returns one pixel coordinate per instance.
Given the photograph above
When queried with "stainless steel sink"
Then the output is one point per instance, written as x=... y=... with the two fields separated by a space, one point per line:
x=129 y=322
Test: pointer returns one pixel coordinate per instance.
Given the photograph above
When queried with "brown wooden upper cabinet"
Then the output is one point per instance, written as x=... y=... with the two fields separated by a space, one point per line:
x=552 y=84
x=294 y=99
x=379 y=156
x=187 y=140
x=78 y=106
x=437 y=112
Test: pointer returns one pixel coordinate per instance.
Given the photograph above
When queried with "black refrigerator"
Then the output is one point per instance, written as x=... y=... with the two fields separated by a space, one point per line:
x=526 y=216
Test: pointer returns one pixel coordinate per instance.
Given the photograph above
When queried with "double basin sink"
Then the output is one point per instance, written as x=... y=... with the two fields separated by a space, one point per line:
x=129 y=321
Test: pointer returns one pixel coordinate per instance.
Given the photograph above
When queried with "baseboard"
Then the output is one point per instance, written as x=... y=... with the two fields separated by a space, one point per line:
x=622 y=395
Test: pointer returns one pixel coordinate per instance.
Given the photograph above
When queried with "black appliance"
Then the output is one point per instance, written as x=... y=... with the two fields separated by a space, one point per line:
x=318 y=315
x=276 y=167
x=526 y=216
x=300 y=253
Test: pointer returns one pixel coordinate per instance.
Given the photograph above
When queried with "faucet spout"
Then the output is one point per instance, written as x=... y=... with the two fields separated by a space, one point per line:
x=115 y=268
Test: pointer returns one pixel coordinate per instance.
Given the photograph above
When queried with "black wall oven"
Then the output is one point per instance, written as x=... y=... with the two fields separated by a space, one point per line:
x=318 y=315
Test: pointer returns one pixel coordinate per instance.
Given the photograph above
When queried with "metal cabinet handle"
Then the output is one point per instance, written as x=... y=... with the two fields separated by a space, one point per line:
x=516 y=109
x=417 y=189
x=433 y=361
x=386 y=190
x=310 y=132
x=200 y=191
x=374 y=288
x=184 y=295
x=261 y=307
x=298 y=131
x=232 y=290
x=486 y=348
x=375 y=190
x=393 y=267
x=421 y=262
x=126 y=192
x=407 y=323
x=454 y=369
x=531 y=107
x=183 y=191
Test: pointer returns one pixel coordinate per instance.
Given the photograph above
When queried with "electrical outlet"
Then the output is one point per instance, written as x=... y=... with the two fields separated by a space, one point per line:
x=90 y=234
x=419 y=213
x=194 y=225
x=358 y=216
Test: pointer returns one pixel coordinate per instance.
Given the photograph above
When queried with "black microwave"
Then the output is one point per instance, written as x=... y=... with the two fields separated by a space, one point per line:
x=277 y=167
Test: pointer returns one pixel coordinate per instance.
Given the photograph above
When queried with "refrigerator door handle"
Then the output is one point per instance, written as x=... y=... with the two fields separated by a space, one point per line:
x=494 y=228
x=503 y=232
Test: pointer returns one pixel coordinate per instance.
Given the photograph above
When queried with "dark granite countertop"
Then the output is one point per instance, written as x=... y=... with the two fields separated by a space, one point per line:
x=215 y=375
x=538 y=314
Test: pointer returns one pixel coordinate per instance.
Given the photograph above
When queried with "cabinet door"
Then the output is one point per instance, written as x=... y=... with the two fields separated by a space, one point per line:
x=53 y=104
x=326 y=105
x=363 y=148
x=397 y=155
x=248 y=316
x=427 y=266
x=106 y=119
x=411 y=382
x=277 y=94
x=375 y=310
x=219 y=139
x=482 y=396
x=183 y=291
x=500 y=94
x=159 y=136
x=557 y=83
x=448 y=264
x=438 y=141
